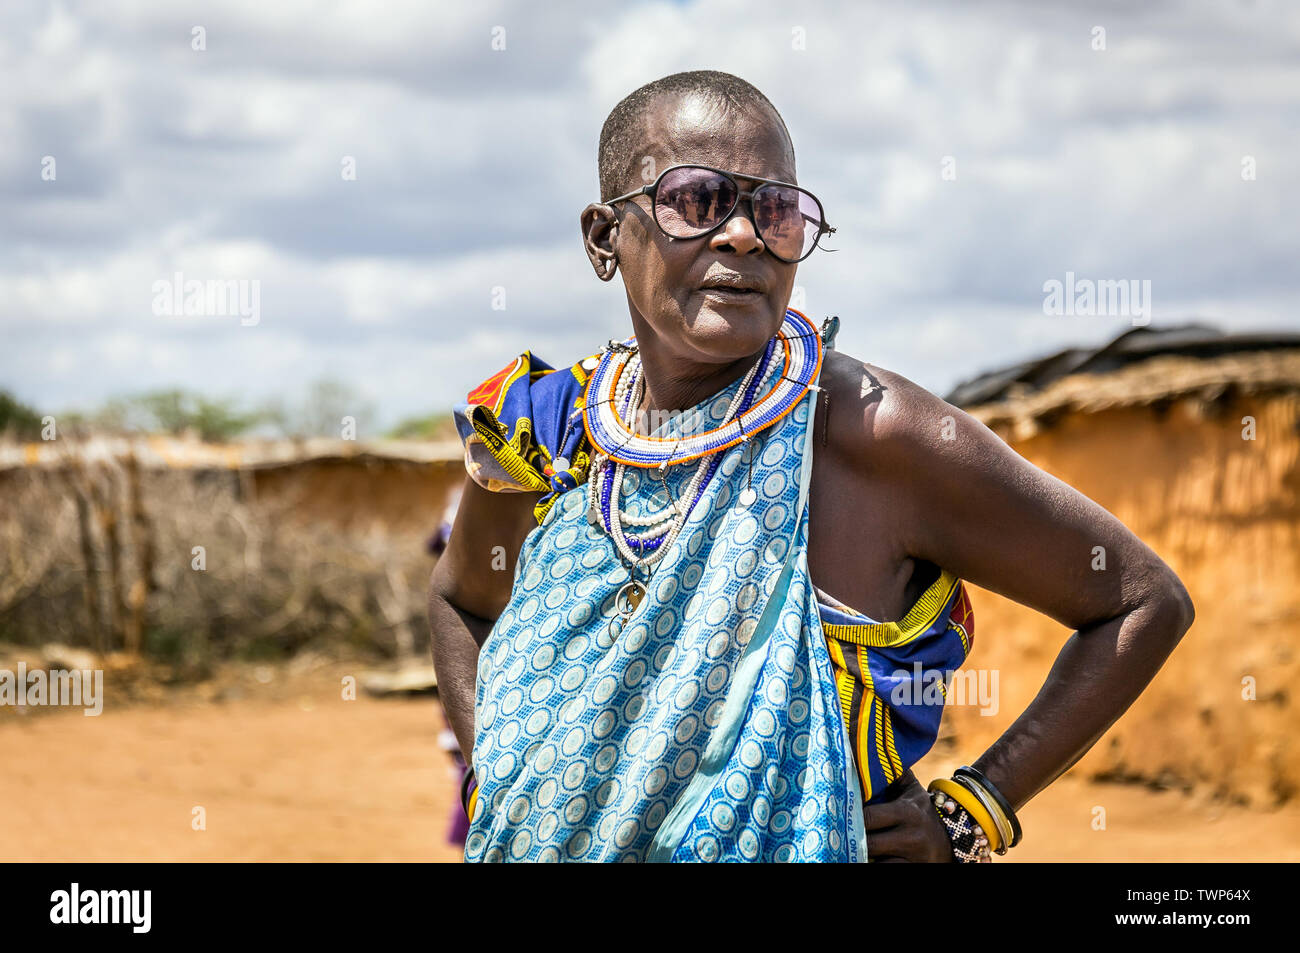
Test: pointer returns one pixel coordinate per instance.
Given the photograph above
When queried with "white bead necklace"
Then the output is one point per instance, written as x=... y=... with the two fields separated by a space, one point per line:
x=669 y=521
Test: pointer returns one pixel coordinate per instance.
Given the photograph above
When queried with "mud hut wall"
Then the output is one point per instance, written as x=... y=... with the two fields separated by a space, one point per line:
x=1224 y=512
x=398 y=498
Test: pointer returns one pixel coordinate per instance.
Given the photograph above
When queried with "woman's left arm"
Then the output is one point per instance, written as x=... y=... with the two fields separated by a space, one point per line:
x=978 y=509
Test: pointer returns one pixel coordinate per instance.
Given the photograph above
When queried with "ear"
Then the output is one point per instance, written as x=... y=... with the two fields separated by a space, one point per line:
x=599 y=233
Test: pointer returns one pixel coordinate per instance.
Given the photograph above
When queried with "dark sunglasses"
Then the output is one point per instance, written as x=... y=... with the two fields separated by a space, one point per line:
x=689 y=201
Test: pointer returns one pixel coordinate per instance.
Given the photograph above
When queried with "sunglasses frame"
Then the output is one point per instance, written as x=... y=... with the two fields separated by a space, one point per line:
x=653 y=188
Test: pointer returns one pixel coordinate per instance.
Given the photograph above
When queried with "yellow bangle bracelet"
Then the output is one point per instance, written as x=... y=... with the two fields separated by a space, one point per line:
x=966 y=798
x=990 y=805
x=473 y=803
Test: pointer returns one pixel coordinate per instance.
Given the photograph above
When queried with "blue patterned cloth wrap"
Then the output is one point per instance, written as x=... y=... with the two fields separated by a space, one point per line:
x=706 y=727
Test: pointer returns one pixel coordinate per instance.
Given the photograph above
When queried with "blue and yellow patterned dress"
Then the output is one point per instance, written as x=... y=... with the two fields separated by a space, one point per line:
x=733 y=715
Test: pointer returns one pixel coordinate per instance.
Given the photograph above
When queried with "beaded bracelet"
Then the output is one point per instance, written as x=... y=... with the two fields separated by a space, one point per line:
x=969 y=843
x=975 y=814
x=972 y=805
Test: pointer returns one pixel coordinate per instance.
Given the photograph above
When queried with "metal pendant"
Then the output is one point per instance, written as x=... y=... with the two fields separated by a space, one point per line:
x=748 y=496
x=629 y=597
x=625 y=603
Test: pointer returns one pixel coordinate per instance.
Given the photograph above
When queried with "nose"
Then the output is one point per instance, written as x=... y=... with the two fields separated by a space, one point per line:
x=738 y=236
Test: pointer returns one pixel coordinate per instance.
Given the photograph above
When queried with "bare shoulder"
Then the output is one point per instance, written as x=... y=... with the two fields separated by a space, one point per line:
x=876 y=417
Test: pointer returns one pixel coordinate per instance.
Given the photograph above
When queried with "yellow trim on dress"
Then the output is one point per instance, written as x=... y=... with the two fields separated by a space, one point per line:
x=885 y=764
x=864 y=723
x=895 y=762
x=918 y=619
x=843 y=680
x=509 y=455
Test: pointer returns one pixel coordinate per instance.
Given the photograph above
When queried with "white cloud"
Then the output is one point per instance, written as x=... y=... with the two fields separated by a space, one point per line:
x=472 y=165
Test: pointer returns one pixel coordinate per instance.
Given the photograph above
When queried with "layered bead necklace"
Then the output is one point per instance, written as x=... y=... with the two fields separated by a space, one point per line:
x=615 y=392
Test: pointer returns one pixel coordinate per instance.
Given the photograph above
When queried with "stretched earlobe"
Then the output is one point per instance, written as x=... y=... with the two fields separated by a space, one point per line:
x=607 y=269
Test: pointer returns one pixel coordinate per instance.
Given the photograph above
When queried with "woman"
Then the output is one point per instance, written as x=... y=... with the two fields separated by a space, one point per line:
x=740 y=551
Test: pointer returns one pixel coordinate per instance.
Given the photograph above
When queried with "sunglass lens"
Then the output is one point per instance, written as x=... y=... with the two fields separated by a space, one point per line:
x=690 y=201
x=789 y=220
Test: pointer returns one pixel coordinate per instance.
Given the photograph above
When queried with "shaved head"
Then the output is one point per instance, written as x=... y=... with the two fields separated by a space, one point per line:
x=719 y=96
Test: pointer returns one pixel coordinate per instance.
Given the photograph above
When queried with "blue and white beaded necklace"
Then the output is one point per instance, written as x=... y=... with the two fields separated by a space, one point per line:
x=610 y=426
x=611 y=435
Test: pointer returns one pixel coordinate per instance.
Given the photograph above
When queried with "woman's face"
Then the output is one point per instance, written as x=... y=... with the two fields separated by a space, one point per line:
x=666 y=278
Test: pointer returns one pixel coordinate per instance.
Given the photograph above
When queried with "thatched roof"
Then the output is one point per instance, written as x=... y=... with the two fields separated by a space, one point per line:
x=1142 y=366
x=1129 y=347
x=159 y=452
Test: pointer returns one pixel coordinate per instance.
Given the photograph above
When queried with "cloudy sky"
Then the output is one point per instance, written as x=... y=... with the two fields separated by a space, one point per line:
x=1132 y=161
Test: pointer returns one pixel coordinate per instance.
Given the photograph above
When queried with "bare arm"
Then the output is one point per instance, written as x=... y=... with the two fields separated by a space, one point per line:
x=977 y=508
x=469 y=587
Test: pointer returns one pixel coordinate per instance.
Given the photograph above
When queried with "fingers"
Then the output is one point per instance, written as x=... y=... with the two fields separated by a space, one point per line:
x=897 y=843
x=877 y=817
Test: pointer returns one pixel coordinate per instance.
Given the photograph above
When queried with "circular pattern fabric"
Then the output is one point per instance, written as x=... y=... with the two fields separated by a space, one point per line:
x=704 y=726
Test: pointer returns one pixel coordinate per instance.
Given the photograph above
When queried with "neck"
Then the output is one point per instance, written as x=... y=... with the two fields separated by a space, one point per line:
x=674 y=383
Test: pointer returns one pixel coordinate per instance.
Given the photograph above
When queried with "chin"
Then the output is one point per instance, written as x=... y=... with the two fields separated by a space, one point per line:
x=729 y=332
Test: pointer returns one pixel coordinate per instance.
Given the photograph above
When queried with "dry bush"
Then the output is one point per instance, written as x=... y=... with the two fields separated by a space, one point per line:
x=185 y=567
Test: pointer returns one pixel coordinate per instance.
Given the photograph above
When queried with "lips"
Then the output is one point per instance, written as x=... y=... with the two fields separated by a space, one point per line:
x=733 y=283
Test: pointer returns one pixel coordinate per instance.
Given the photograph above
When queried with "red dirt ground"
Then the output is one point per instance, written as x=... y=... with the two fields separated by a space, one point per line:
x=309 y=776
